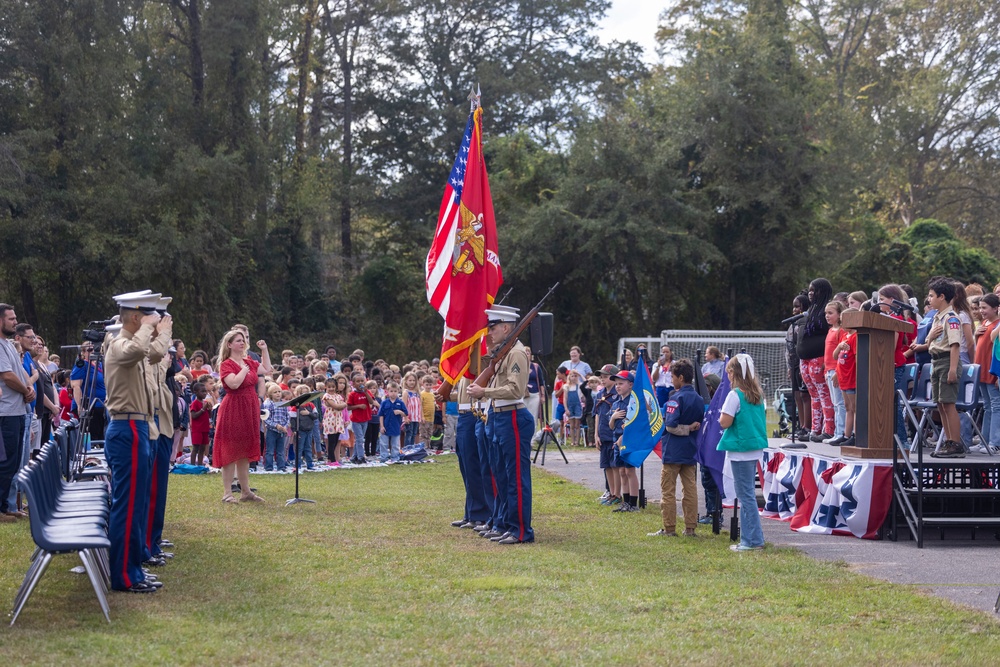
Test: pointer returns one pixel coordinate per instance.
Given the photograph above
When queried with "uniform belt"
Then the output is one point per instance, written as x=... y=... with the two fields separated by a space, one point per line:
x=940 y=355
x=129 y=416
x=507 y=408
x=464 y=412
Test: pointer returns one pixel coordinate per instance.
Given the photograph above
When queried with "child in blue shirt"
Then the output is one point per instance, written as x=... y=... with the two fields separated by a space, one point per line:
x=390 y=415
x=276 y=430
x=684 y=410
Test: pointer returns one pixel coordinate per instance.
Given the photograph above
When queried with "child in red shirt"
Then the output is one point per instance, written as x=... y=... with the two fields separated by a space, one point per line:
x=847 y=377
x=201 y=406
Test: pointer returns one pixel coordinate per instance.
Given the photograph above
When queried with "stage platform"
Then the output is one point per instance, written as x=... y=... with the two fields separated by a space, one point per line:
x=819 y=490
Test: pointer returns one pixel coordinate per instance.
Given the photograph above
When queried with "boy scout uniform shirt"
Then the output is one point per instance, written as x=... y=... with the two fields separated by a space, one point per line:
x=685 y=407
x=951 y=333
x=157 y=362
x=603 y=404
x=511 y=378
x=621 y=404
x=125 y=373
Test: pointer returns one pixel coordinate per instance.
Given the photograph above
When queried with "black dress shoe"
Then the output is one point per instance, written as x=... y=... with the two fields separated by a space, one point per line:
x=500 y=537
x=140 y=587
x=490 y=534
x=166 y=554
x=150 y=577
x=510 y=539
x=156 y=561
x=469 y=524
x=166 y=544
x=480 y=527
x=155 y=583
x=817 y=437
x=459 y=523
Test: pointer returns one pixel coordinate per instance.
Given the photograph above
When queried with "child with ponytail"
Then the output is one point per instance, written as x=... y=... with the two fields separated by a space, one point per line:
x=744 y=420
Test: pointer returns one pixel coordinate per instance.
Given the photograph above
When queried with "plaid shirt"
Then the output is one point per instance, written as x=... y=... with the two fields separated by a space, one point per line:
x=278 y=416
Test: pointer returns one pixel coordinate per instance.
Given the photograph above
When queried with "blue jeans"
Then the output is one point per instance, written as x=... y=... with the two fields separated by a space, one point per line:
x=359 y=440
x=410 y=431
x=751 y=532
x=991 y=413
x=839 y=410
x=305 y=449
x=274 y=452
x=388 y=447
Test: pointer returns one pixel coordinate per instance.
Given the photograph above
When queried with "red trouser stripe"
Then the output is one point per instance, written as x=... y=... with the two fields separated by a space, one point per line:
x=517 y=458
x=494 y=481
x=152 y=506
x=131 y=500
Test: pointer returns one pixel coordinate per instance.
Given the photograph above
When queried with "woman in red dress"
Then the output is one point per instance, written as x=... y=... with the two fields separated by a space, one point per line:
x=237 y=424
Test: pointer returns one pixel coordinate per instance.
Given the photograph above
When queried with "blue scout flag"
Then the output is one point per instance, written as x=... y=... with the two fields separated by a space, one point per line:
x=643 y=422
x=710 y=434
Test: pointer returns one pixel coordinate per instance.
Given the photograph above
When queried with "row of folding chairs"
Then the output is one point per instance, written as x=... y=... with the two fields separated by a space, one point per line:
x=65 y=517
x=918 y=404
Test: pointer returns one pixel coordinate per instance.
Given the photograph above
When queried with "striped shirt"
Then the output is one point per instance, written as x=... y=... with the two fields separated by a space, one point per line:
x=414 y=406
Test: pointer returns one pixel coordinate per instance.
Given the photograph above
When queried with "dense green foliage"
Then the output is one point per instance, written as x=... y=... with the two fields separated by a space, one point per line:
x=281 y=163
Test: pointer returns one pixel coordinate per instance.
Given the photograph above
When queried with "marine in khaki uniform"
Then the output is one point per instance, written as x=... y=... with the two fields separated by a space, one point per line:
x=510 y=426
x=161 y=437
x=126 y=441
x=477 y=509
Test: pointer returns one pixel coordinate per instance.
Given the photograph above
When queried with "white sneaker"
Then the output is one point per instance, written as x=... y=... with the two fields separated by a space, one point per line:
x=607 y=494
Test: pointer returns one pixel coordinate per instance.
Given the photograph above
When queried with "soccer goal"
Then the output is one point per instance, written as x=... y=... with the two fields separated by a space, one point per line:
x=766 y=347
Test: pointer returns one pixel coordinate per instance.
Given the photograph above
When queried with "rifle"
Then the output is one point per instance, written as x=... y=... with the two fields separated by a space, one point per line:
x=507 y=344
x=443 y=392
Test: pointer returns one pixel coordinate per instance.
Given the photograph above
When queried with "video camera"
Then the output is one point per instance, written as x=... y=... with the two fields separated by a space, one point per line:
x=96 y=331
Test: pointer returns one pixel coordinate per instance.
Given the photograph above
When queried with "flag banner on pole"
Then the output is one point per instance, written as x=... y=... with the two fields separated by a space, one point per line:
x=709 y=436
x=463 y=265
x=643 y=421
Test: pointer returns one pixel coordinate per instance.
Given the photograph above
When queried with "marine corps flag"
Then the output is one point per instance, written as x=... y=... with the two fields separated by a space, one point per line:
x=463 y=267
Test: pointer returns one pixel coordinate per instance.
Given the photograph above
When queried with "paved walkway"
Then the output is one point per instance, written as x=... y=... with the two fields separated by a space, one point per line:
x=963 y=571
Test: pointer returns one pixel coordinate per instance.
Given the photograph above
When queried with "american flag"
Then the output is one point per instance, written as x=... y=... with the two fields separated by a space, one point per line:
x=463 y=265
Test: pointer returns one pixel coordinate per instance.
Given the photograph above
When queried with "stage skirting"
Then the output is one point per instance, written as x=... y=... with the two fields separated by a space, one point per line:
x=824 y=495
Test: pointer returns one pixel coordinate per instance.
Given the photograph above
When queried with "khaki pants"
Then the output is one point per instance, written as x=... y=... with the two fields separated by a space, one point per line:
x=668 y=489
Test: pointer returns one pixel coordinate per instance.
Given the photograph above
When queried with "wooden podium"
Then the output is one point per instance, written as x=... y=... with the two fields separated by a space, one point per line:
x=873 y=422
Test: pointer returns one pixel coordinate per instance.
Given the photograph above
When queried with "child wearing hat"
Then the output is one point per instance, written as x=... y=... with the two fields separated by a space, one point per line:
x=628 y=478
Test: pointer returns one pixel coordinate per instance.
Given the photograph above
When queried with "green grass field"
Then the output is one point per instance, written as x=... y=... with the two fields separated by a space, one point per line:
x=374 y=575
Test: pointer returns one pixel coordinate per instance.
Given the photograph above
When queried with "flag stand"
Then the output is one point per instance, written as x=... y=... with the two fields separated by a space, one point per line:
x=296 y=402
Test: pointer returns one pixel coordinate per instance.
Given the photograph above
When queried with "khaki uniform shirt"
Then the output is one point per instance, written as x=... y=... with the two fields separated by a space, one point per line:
x=157 y=362
x=511 y=377
x=951 y=332
x=125 y=372
x=461 y=392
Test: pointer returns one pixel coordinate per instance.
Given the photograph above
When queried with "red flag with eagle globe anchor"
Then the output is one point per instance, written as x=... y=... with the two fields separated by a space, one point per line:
x=463 y=266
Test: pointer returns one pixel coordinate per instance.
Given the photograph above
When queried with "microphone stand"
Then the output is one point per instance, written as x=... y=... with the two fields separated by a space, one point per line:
x=296 y=402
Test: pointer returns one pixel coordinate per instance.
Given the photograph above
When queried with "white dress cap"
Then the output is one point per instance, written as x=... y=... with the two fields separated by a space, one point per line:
x=147 y=302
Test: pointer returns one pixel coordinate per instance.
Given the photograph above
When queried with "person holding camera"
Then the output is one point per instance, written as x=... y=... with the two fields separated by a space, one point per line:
x=88 y=375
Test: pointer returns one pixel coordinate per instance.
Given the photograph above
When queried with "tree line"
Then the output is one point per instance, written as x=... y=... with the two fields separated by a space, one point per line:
x=281 y=162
